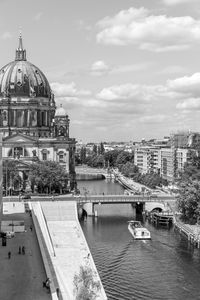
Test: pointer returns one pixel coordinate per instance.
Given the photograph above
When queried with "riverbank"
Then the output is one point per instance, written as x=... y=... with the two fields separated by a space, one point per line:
x=191 y=232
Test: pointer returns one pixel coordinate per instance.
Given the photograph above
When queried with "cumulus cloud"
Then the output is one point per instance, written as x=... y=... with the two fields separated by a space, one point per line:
x=68 y=90
x=100 y=68
x=175 y=103
x=189 y=85
x=137 y=92
x=137 y=26
x=189 y=104
x=176 y=2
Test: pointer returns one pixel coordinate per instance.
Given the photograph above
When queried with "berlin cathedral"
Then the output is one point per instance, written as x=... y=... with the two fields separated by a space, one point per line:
x=33 y=128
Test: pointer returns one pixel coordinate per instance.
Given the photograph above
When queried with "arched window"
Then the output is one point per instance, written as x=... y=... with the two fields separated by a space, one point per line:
x=61 y=157
x=44 y=154
x=18 y=151
x=5 y=115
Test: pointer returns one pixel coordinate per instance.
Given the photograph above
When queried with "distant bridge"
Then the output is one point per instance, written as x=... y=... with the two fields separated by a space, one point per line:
x=95 y=199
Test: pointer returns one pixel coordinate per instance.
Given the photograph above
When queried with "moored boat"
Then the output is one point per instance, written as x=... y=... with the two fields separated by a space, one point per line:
x=138 y=231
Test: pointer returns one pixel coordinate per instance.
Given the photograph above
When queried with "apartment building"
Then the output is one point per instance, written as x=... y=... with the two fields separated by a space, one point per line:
x=147 y=159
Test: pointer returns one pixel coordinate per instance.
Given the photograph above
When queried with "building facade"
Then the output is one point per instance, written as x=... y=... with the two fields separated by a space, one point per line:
x=147 y=159
x=33 y=129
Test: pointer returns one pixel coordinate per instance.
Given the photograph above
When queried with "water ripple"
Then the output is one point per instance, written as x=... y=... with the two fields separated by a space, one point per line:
x=164 y=268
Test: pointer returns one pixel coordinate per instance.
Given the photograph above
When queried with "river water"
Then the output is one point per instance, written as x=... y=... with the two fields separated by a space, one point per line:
x=166 y=267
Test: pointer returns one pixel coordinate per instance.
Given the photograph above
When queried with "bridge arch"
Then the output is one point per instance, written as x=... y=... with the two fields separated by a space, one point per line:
x=154 y=206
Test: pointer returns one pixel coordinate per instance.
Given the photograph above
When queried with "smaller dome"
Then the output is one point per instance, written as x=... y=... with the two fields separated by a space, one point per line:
x=60 y=112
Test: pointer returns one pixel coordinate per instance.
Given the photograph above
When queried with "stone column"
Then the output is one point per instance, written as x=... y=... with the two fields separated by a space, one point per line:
x=46 y=116
x=89 y=208
x=134 y=209
x=28 y=118
x=1 y=172
x=14 y=121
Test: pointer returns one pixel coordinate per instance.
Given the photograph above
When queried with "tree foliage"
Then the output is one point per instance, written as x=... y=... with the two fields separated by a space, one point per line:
x=85 y=286
x=11 y=177
x=48 y=176
x=189 y=201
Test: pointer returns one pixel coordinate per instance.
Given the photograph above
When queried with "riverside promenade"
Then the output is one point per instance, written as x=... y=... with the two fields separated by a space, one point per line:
x=22 y=275
x=63 y=247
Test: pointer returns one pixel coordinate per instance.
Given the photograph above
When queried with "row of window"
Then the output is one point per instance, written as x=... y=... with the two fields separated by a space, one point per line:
x=18 y=152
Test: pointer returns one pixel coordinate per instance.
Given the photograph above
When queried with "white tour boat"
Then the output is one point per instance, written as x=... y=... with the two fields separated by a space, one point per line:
x=138 y=232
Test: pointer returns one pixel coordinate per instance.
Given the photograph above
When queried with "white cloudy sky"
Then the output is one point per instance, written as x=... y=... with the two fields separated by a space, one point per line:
x=123 y=70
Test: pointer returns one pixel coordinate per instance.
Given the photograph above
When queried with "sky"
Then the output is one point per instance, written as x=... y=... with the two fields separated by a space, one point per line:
x=123 y=70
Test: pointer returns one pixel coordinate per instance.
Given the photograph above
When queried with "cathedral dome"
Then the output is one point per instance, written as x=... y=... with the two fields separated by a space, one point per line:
x=60 y=112
x=22 y=78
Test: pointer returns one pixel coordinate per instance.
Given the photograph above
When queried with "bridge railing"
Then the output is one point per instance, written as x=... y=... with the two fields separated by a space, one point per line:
x=121 y=198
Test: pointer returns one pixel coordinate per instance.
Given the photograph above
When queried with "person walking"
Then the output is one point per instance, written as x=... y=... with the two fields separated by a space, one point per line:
x=31 y=228
x=20 y=251
x=23 y=250
x=9 y=255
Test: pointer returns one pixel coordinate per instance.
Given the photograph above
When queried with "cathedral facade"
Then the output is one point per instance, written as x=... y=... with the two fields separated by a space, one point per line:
x=33 y=128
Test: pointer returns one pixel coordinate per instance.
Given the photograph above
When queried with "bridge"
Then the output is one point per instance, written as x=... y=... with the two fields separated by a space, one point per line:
x=95 y=199
x=138 y=202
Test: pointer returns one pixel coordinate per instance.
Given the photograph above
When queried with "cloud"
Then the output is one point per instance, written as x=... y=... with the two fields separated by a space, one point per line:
x=159 y=33
x=68 y=90
x=153 y=119
x=189 y=104
x=188 y=90
x=129 y=107
x=38 y=16
x=172 y=70
x=142 y=93
x=99 y=68
x=188 y=85
x=176 y=2
x=6 y=35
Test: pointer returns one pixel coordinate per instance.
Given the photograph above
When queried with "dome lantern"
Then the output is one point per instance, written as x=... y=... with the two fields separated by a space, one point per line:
x=20 y=52
x=60 y=112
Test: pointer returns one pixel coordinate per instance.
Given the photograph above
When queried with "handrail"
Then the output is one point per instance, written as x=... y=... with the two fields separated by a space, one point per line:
x=44 y=254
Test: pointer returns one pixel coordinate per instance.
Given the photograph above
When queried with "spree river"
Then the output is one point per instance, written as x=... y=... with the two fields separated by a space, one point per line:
x=166 y=267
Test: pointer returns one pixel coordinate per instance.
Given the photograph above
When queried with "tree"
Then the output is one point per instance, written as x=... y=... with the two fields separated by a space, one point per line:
x=101 y=148
x=94 y=150
x=124 y=157
x=48 y=176
x=83 y=155
x=189 y=201
x=128 y=169
x=11 y=177
x=85 y=285
x=111 y=157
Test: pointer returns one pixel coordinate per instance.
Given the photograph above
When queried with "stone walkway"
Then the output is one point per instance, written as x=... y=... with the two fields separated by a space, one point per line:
x=22 y=276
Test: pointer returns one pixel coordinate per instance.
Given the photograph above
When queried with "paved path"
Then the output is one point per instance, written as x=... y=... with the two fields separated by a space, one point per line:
x=22 y=276
x=66 y=243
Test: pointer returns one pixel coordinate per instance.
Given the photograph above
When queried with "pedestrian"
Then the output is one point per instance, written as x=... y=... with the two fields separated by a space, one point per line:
x=23 y=250
x=46 y=284
x=9 y=255
x=19 y=250
x=31 y=228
